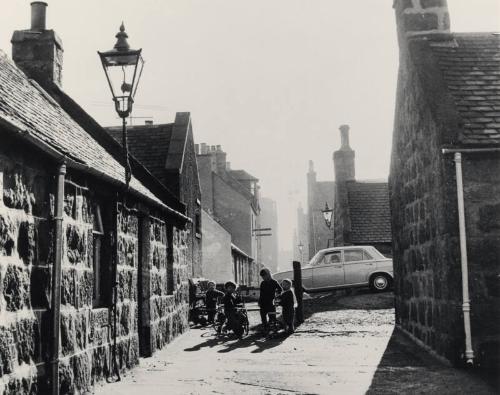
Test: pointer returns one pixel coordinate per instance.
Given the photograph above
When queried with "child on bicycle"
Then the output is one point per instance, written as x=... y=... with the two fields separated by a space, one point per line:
x=230 y=302
x=287 y=302
x=211 y=297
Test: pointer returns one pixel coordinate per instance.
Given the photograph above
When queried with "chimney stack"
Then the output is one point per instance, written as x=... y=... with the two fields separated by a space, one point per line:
x=37 y=51
x=416 y=18
x=220 y=159
x=343 y=159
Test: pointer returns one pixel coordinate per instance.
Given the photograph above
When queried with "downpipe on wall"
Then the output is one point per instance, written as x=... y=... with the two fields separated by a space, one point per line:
x=55 y=301
x=466 y=308
x=469 y=352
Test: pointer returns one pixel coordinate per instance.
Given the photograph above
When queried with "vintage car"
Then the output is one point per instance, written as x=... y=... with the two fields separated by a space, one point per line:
x=345 y=267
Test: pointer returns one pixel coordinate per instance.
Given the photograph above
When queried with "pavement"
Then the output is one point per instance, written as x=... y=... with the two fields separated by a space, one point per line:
x=347 y=345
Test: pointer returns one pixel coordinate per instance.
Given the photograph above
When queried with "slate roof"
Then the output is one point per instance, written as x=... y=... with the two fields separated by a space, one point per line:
x=148 y=144
x=470 y=64
x=158 y=147
x=34 y=112
x=369 y=212
x=242 y=175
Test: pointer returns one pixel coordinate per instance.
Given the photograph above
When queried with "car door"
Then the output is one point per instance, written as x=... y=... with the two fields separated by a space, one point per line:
x=328 y=271
x=358 y=263
x=307 y=280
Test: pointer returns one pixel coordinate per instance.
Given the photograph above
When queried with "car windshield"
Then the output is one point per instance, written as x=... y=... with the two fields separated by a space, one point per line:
x=316 y=258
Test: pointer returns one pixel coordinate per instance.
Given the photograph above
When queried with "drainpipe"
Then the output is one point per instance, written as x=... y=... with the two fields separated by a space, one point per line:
x=469 y=353
x=55 y=302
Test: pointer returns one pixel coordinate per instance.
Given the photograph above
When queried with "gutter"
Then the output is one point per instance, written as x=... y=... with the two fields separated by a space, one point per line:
x=466 y=308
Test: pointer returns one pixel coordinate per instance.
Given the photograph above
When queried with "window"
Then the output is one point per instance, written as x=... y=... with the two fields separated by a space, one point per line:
x=331 y=258
x=356 y=255
x=97 y=257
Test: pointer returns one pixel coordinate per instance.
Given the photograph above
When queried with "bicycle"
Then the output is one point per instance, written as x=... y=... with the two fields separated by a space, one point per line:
x=240 y=325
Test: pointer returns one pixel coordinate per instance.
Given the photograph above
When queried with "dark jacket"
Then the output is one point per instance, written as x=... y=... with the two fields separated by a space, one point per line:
x=211 y=298
x=268 y=290
x=287 y=301
x=230 y=301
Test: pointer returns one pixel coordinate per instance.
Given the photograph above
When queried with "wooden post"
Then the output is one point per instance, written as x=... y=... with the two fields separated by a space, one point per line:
x=297 y=281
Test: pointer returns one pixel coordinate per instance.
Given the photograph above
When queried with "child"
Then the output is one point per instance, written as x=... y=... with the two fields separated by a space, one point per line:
x=269 y=287
x=231 y=301
x=287 y=302
x=211 y=297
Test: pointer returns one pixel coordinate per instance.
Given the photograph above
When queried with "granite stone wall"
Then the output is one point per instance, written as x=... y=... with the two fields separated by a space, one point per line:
x=25 y=258
x=426 y=258
x=86 y=332
x=168 y=279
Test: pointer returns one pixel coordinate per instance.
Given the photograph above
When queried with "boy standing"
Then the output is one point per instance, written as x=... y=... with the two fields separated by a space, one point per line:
x=269 y=287
x=287 y=302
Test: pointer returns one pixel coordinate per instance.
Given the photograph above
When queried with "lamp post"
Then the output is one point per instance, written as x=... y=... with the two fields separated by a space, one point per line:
x=123 y=68
x=327 y=215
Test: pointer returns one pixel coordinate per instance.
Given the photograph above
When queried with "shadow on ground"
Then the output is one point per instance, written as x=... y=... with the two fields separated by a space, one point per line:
x=406 y=368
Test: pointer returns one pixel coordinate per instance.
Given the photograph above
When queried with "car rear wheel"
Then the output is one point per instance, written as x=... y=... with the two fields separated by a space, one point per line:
x=380 y=282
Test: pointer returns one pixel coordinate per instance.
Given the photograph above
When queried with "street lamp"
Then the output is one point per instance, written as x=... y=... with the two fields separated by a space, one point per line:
x=327 y=215
x=123 y=68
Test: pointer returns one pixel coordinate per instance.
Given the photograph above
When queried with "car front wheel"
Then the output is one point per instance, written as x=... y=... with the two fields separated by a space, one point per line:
x=380 y=283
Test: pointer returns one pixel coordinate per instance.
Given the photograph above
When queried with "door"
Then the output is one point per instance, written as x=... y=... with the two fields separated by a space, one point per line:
x=329 y=270
x=357 y=265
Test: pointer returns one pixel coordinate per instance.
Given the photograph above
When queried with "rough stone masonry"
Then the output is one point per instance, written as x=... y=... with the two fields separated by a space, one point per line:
x=151 y=256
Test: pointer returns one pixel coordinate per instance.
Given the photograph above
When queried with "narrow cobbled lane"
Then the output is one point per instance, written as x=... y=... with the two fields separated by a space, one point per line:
x=346 y=346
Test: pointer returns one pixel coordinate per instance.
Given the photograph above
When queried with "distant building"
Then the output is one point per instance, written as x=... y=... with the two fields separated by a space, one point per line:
x=269 y=219
x=446 y=150
x=361 y=211
x=223 y=260
x=231 y=197
x=318 y=194
x=301 y=237
x=167 y=151
x=285 y=259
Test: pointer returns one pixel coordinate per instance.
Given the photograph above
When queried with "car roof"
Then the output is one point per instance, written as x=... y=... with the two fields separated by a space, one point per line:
x=345 y=248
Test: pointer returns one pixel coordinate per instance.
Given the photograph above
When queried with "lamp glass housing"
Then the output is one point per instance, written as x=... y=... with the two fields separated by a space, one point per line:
x=123 y=68
x=327 y=215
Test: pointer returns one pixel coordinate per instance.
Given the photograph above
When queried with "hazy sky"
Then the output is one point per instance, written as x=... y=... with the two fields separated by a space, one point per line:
x=269 y=80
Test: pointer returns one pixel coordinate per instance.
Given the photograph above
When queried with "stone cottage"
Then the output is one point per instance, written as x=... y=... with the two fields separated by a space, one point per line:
x=71 y=233
x=361 y=211
x=168 y=152
x=445 y=185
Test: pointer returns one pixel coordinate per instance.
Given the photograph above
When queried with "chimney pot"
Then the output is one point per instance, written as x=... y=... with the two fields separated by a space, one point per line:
x=204 y=148
x=38 y=15
x=228 y=166
x=219 y=149
x=344 y=137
